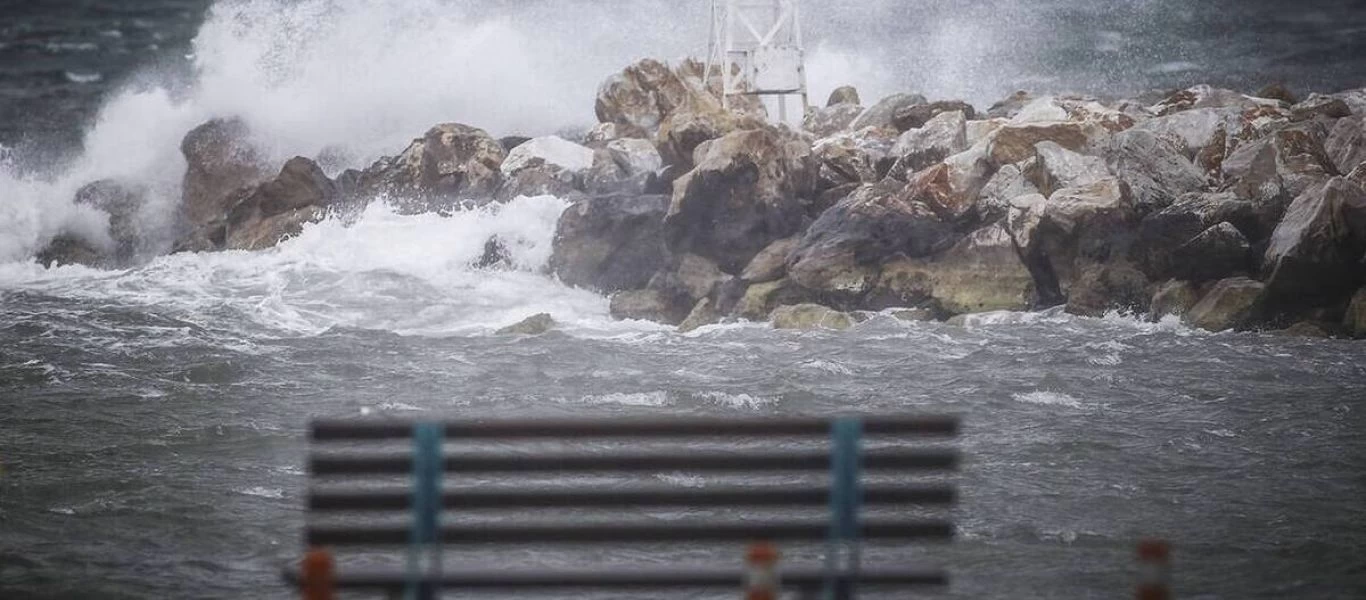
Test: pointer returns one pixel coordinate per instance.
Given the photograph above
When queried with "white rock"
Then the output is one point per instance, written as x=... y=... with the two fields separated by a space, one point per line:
x=549 y=150
x=1042 y=110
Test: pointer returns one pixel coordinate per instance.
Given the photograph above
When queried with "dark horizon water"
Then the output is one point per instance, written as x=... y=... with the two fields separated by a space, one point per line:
x=152 y=419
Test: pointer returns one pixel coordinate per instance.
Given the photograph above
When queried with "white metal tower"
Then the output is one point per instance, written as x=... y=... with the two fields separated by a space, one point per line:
x=757 y=44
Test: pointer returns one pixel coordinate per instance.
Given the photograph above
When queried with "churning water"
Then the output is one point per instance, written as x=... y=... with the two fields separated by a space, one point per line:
x=152 y=419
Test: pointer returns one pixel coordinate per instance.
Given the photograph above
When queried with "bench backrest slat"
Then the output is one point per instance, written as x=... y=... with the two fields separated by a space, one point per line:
x=363 y=494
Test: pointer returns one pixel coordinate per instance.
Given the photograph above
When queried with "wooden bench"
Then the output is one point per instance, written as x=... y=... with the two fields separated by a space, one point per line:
x=379 y=515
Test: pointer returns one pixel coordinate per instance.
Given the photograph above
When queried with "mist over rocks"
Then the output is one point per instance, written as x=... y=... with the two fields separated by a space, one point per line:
x=1227 y=209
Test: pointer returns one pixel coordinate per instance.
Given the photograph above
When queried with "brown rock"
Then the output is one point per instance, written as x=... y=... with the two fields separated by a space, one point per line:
x=1315 y=255
x=1215 y=253
x=1014 y=143
x=703 y=313
x=1346 y=144
x=1161 y=233
x=279 y=208
x=857 y=157
x=450 y=163
x=981 y=273
x=533 y=325
x=844 y=95
x=747 y=193
x=220 y=160
x=771 y=263
x=809 y=317
x=825 y=122
x=1153 y=168
x=1231 y=304
x=839 y=255
x=648 y=305
x=1009 y=107
x=1317 y=105
x=642 y=96
x=610 y=243
x=1278 y=91
x=1173 y=298
x=1204 y=96
x=761 y=298
x=917 y=115
x=932 y=142
x=1355 y=320
x=1100 y=288
x=883 y=113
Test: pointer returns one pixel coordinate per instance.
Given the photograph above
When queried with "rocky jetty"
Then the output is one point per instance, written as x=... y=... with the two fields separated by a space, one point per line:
x=1227 y=209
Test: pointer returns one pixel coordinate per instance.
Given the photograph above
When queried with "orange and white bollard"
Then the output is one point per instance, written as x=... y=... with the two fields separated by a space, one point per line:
x=319 y=575
x=1154 y=570
x=761 y=575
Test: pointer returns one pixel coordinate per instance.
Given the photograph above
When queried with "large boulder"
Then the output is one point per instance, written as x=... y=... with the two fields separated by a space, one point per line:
x=771 y=263
x=1315 y=255
x=915 y=116
x=628 y=165
x=981 y=273
x=747 y=192
x=1010 y=106
x=548 y=165
x=703 y=313
x=1160 y=234
x=1320 y=106
x=641 y=96
x=220 y=159
x=450 y=163
x=824 y=122
x=760 y=299
x=845 y=95
x=840 y=255
x=685 y=129
x=1233 y=303
x=1098 y=288
x=935 y=140
x=1155 y=170
x=883 y=114
x=1172 y=299
x=1058 y=168
x=1355 y=320
x=1273 y=170
x=856 y=157
x=1013 y=143
x=610 y=243
x=650 y=304
x=267 y=213
x=1215 y=253
x=1008 y=183
x=122 y=202
x=953 y=187
x=1198 y=134
x=534 y=325
x=1346 y=144
x=1060 y=237
x=1205 y=96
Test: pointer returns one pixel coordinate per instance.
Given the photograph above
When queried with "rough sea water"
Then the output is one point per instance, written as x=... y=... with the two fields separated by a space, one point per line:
x=152 y=420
